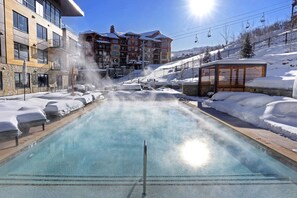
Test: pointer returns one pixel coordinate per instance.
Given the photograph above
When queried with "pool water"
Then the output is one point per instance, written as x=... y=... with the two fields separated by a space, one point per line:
x=101 y=155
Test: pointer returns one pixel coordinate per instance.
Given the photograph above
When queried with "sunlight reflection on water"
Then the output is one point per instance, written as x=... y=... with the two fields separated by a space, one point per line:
x=195 y=153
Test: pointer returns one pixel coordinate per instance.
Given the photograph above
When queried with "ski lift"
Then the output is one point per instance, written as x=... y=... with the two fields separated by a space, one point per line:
x=209 y=33
x=196 y=39
x=262 y=20
x=247 y=26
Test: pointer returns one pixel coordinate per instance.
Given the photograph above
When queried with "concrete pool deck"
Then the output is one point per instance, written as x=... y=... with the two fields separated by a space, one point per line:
x=279 y=147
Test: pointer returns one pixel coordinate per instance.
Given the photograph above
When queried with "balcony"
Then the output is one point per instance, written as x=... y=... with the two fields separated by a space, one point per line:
x=55 y=66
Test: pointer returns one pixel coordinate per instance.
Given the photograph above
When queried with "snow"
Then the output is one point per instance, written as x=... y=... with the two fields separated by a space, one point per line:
x=275 y=113
x=16 y=113
x=62 y=107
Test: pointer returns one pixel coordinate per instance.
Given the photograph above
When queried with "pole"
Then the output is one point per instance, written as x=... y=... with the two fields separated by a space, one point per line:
x=24 y=78
x=142 y=54
x=144 y=168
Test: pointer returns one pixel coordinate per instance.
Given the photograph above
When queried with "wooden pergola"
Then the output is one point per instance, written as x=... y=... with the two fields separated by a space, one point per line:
x=228 y=75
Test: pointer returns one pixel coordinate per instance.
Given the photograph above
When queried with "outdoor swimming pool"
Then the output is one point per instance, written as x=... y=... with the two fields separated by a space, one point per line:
x=189 y=155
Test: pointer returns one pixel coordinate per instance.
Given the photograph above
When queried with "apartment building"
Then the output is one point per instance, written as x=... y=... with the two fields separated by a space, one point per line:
x=120 y=51
x=31 y=31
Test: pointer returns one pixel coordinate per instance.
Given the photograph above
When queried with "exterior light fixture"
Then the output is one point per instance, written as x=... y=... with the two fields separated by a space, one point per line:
x=33 y=16
x=1 y=33
x=3 y=68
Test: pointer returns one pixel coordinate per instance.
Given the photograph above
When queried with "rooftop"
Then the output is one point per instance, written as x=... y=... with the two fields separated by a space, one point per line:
x=235 y=61
x=70 y=8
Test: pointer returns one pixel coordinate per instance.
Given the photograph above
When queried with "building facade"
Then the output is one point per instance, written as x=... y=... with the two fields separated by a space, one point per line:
x=33 y=33
x=118 y=52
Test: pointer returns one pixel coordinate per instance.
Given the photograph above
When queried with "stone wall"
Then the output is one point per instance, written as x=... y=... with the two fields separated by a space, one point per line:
x=190 y=89
x=270 y=91
x=9 y=82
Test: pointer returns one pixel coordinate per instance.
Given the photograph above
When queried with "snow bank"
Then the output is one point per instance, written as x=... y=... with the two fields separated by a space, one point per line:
x=277 y=82
x=275 y=113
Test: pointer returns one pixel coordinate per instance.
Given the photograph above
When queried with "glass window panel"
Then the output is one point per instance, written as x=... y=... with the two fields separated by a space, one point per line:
x=253 y=72
x=52 y=13
x=224 y=76
x=16 y=51
x=15 y=20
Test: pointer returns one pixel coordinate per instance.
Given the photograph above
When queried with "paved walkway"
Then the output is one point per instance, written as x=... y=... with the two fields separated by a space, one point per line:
x=278 y=146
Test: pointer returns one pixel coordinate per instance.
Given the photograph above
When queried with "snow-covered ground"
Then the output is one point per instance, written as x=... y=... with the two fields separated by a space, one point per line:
x=38 y=107
x=275 y=113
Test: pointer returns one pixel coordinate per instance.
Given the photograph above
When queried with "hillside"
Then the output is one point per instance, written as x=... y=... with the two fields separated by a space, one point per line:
x=277 y=48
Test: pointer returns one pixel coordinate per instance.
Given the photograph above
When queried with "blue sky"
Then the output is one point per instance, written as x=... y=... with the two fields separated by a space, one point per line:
x=173 y=17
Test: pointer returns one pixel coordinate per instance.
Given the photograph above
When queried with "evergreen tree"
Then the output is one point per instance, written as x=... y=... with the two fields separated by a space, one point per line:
x=247 y=50
x=219 y=56
x=207 y=56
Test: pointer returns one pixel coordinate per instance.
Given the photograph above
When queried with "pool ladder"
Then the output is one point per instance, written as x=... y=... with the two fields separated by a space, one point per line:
x=144 y=169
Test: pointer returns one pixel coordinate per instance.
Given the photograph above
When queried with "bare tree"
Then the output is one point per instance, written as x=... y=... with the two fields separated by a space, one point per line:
x=226 y=34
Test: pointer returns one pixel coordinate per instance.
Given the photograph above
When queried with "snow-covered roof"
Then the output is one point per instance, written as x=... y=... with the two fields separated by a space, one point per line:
x=89 y=32
x=151 y=33
x=132 y=33
x=148 y=39
x=109 y=35
x=100 y=41
x=162 y=36
x=121 y=34
x=235 y=61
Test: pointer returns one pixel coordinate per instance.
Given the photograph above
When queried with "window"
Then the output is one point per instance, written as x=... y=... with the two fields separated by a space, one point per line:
x=56 y=40
x=1 y=81
x=21 y=52
x=39 y=7
x=42 y=80
x=20 y=22
x=18 y=80
x=47 y=10
x=41 y=32
x=72 y=44
x=29 y=4
x=42 y=56
x=51 y=13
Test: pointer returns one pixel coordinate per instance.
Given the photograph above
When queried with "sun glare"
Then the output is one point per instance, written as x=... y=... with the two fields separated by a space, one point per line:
x=201 y=8
x=195 y=153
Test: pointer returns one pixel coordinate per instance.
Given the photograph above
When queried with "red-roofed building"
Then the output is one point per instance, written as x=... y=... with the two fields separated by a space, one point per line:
x=123 y=51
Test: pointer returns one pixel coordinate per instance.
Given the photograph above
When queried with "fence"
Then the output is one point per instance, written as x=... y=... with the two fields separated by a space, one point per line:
x=288 y=37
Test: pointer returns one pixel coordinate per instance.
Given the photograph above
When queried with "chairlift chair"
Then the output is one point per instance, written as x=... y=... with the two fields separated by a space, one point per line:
x=262 y=20
x=247 y=26
x=209 y=33
x=196 y=39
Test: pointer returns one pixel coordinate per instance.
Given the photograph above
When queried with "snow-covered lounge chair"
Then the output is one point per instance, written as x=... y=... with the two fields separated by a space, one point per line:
x=9 y=126
x=30 y=117
x=13 y=123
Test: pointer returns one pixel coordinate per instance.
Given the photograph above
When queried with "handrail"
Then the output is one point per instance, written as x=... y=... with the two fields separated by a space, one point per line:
x=144 y=168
